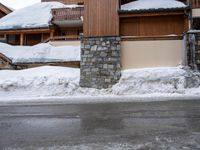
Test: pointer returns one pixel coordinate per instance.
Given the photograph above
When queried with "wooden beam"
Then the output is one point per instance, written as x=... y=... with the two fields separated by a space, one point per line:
x=52 y=33
x=26 y=31
x=5 y=9
x=151 y=38
x=124 y=15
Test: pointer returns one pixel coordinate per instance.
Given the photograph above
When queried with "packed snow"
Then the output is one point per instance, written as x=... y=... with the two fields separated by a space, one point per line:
x=43 y=52
x=152 y=4
x=34 y=16
x=60 y=82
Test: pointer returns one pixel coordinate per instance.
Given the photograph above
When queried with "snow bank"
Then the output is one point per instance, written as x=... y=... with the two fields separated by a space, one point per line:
x=35 y=16
x=40 y=53
x=64 y=82
x=42 y=81
x=152 y=4
x=156 y=80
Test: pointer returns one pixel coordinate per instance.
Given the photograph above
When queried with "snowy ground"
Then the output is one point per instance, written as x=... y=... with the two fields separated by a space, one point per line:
x=157 y=143
x=58 y=82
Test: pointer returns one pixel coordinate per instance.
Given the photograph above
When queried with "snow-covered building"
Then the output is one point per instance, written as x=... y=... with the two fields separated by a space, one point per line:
x=63 y=20
x=116 y=34
x=37 y=23
x=151 y=34
x=3 y=12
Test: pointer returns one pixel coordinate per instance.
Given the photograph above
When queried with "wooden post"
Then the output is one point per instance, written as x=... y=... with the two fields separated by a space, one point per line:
x=51 y=34
x=42 y=37
x=21 y=39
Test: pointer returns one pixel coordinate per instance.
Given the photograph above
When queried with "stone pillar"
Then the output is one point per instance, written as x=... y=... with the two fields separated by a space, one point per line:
x=193 y=50
x=100 y=62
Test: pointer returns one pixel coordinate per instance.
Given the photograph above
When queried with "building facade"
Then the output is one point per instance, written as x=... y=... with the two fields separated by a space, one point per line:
x=3 y=12
x=115 y=35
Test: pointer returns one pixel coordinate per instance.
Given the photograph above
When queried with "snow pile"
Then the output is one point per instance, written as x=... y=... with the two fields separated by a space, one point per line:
x=36 y=82
x=40 y=53
x=156 y=80
x=64 y=82
x=152 y=4
x=35 y=16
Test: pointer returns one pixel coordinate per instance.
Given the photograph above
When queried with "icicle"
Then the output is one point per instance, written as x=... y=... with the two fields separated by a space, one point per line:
x=185 y=52
x=192 y=41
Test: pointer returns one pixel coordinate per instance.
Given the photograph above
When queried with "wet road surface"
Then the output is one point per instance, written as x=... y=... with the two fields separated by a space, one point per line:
x=115 y=126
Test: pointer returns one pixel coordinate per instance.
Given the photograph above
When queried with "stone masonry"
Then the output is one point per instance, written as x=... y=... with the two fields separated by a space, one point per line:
x=100 y=62
x=193 y=50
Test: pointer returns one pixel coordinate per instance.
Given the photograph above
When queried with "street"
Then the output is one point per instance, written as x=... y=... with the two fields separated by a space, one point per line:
x=167 y=125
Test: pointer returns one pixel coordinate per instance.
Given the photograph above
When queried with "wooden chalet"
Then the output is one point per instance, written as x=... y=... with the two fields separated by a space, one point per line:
x=3 y=12
x=67 y=24
x=149 y=37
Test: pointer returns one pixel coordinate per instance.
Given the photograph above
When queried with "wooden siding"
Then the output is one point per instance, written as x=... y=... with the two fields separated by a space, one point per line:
x=5 y=62
x=101 y=18
x=28 y=39
x=66 y=1
x=4 y=10
x=152 y=38
x=32 y=31
x=2 y=14
x=196 y=24
x=32 y=39
x=153 y=25
x=72 y=64
x=128 y=1
x=195 y=3
x=13 y=39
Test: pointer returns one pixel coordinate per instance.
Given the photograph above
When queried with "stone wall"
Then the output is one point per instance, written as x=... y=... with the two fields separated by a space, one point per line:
x=100 y=62
x=193 y=50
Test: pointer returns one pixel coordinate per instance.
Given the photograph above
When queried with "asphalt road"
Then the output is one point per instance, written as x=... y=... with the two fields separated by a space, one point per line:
x=115 y=126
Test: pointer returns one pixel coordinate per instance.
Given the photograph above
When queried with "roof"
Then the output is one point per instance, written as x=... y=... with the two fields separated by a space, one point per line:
x=32 y=17
x=5 y=9
x=43 y=52
x=152 y=5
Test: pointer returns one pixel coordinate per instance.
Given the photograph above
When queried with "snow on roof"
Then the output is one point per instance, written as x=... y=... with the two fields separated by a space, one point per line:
x=152 y=4
x=40 y=53
x=35 y=16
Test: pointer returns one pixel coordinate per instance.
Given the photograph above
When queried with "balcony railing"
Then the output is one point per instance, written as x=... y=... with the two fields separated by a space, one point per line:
x=63 y=14
x=195 y=3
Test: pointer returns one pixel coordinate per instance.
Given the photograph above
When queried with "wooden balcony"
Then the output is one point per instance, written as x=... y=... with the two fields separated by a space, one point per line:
x=195 y=3
x=68 y=17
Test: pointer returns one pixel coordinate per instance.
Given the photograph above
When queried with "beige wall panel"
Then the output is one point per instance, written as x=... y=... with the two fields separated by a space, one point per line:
x=65 y=43
x=196 y=12
x=145 y=54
